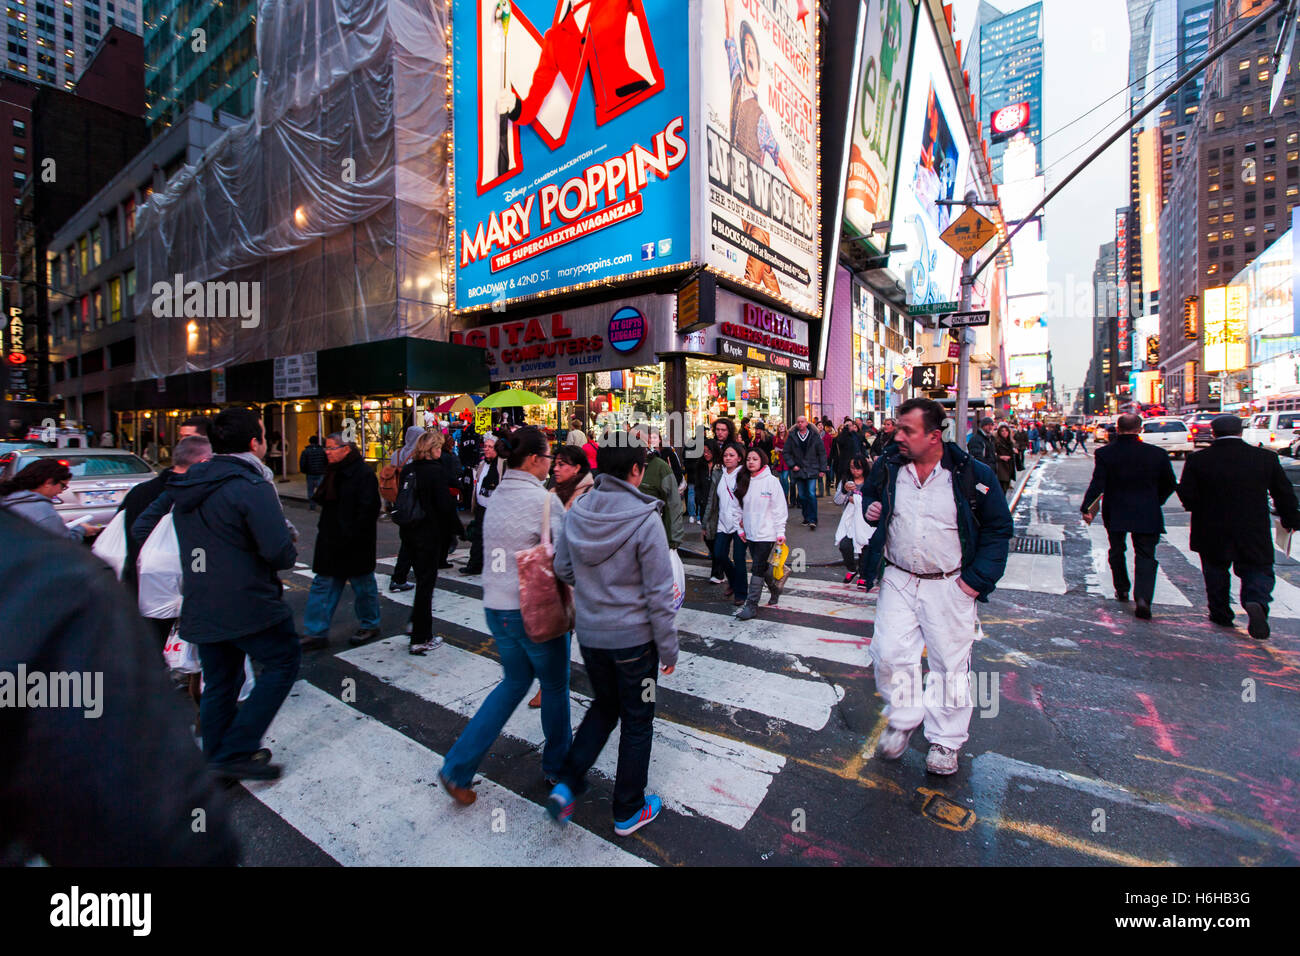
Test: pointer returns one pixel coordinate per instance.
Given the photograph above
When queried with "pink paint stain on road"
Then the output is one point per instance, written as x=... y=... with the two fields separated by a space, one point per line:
x=1160 y=730
x=1011 y=691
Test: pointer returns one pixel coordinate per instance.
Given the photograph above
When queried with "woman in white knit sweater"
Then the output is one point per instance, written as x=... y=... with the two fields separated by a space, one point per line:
x=762 y=526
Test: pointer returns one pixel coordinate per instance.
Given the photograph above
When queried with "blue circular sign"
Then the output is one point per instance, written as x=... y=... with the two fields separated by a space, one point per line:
x=627 y=329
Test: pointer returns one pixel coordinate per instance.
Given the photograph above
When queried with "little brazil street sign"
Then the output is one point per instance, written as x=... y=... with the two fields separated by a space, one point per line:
x=933 y=308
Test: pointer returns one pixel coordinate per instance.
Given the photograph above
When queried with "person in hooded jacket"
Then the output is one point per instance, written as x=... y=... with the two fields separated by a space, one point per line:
x=612 y=547
x=345 y=546
x=227 y=513
x=487 y=475
x=762 y=527
x=31 y=493
x=723 y=518
x=401 y=458
x=427 y=540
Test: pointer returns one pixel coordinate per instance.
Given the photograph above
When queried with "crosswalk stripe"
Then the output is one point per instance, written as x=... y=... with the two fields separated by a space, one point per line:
x=1286 y=596
x=368 y=796
x=807 y=703
x=844 y=594
x=1100 y=582
x=695 y=772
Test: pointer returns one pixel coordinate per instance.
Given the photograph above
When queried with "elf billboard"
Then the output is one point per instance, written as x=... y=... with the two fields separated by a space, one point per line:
x=571 y=124
x=597 y=141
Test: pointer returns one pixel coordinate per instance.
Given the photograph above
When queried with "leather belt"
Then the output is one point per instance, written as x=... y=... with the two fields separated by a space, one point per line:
x=929 y=575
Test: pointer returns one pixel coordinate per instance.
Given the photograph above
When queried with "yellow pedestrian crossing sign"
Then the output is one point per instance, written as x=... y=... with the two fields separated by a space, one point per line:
x=968 y=233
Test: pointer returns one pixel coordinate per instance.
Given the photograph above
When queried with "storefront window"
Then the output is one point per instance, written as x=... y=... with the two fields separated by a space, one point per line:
x=543 y=416
x=718 y=389
x=627 y=396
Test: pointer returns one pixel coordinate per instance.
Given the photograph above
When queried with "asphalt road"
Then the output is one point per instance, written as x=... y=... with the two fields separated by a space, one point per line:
x=1098 y=738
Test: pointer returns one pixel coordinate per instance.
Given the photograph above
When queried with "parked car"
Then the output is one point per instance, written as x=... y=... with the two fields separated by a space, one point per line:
x=1170 y=434
x=1198 y=424
x=1104 y=431
x=101 y=477
x=1274 y=430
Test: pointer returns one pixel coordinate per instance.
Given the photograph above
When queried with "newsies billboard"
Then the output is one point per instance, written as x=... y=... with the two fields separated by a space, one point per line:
x=571 y=129
x=760 y=220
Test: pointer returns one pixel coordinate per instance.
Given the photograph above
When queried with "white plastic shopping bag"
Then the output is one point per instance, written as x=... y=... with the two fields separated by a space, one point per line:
x=181 y=655
x=248 y=680
x=110 y=546
x=679 y=580
x=159 y=572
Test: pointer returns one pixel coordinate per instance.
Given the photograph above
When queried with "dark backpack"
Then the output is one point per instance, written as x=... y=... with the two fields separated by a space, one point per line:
x=407 y=508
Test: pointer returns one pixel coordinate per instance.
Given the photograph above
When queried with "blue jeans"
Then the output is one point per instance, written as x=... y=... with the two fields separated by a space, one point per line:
x=313 y=482
x=733 y=564
x=324 y=598
x=808 y=498
x=784 y=478
x=233 y=731
x=521 y=659
x=690 y=502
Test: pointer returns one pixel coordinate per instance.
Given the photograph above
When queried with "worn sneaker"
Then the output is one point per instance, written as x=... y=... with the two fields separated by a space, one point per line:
x=1258 y=626
x=559 y=805
x=849 y=576
x=812 y=526
x=942 y=760
x=635 y=822
x=893 y=742
x=717 y=580
x=419 y=650
x=403 y=586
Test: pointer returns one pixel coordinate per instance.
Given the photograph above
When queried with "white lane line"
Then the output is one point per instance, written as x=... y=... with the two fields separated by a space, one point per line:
x=693 y=771
x=1099 y=579
x=1286 y=596
x=807 y=703
x=369 y=796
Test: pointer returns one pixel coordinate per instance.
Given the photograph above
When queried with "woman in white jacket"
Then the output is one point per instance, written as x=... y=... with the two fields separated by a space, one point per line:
x=762 y=527
x=728 y=545
x=853 y=532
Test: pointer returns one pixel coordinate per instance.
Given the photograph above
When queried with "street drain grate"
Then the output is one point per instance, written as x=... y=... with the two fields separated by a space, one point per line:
x=1035 y=546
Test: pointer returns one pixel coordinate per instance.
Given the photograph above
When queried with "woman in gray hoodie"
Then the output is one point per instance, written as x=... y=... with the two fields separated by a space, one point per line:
x=31 y=493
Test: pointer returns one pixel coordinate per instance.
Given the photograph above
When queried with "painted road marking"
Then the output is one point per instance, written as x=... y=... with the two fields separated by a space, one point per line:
x=1099 y=580
x=801 y=701
x=690 y=769
x=1286 y=596
x=368 y=796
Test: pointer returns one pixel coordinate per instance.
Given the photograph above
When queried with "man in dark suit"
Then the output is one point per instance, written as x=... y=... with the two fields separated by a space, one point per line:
x=1226 y=488
x=1133 y=480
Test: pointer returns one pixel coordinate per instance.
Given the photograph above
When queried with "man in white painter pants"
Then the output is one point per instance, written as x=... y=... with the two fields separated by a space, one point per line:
x=942 y=534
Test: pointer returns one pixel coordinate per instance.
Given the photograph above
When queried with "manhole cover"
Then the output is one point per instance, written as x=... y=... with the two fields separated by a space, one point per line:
x=1035 y=546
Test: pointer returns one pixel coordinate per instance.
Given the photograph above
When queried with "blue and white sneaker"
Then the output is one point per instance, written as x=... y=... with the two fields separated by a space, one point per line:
x=560 y=804
x=639 y=819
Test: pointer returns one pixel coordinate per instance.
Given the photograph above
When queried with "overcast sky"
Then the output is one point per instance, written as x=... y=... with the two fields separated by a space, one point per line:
x=1085 y=60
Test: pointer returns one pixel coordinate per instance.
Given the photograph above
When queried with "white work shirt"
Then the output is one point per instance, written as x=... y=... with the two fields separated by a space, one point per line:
x=923 y=534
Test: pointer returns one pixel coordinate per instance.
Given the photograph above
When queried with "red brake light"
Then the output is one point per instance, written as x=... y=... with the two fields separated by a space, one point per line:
x=65 y=463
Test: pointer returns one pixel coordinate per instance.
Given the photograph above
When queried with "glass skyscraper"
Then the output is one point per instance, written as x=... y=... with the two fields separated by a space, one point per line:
x=220 y=71
x=1011 y=71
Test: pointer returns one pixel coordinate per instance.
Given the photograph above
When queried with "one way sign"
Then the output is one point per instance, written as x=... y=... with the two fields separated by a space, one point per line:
x=957 y=320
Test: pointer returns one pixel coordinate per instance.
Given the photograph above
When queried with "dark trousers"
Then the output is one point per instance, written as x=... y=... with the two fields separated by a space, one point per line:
x=1144 y=563
x=313 y=482
x=427 y=549
x=729 y=552
x=233 y=731
x=846 y=552
x=618 y=679
x=402 y=569
x=1256 y=585
x=760 y=572
x=475 y=564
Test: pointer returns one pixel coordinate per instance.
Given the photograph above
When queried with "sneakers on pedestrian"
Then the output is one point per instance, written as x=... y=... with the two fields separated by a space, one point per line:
x=941 y=760
x=804 y=522
x=862 y=584
x=693 y=521
x=812 y=526
x=313 y=642
x=559 y=805
x=893 y=742
x=419 y=650
x=849 y=576
x=717 y=580
x=403 y=586
x=747 y=611
x=639 y=819
x=462 y=795
x=1258 y=626
x=362 y=635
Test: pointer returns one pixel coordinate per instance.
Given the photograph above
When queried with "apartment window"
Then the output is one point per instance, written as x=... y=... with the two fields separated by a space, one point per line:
x=96 y=248
x=1213 y=269
x=20 y=178
x=115 y=300
x=1248 y=109
x=99 y=308
x=20 y=153
x=1292 y=155
x=1214 y=173
x=129 y=283
x=1214 y=188
x=1212 y=154
x=1214 y=252
x=1270 y=210
x=1212 y=221
x=1244 y=65
x=1292 y=191
x=1270 y=227
x=1262 y=76
x=1270 y=143
x=83 y=255
x=1292 y=139
x=128 y=221
x=1229 y=217
x=1250 y=213
x=1218 y=116
x=1229 y=151
x=20 y=129
x=1250 y=247
x=1214 y=204
x=1227 y=234
x=1211 y=237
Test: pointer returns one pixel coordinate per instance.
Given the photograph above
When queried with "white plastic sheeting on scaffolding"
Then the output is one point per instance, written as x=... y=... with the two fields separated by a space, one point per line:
x=332 y=198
